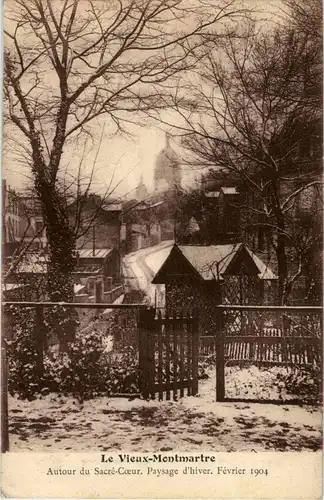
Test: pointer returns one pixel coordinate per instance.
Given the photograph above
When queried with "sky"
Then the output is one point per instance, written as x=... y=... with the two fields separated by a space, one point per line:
x=120 y=161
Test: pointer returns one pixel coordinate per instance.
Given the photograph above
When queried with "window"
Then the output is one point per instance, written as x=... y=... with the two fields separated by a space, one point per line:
x=39 y=225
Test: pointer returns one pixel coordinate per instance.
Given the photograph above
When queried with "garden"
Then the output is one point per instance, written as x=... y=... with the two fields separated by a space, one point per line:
x=89 y=397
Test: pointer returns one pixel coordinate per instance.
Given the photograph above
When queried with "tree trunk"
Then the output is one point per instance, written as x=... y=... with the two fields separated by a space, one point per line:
x=281 y=242
x=282 y=269
x=61 y=263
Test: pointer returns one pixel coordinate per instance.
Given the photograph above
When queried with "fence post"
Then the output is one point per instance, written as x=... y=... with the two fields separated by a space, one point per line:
x=195 y=352
x=220 y=358
x=146 y=360
x=39 y=336
x=4 y=397
x=151 y=351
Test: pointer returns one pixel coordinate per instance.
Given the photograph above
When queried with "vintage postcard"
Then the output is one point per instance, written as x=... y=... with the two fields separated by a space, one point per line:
x=162 y=249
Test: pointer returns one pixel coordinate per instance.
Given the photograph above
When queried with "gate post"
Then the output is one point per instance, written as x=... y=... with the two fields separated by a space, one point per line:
x=220 y=359
x=145 y=342
x=195 y=351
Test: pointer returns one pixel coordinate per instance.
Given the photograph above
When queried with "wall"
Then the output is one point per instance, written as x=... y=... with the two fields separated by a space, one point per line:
x=13 y=215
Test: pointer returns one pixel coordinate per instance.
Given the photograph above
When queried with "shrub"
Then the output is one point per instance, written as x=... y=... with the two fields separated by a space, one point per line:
x=22 y=352
x=303 y=382
x=123 y=375
x=78 y=372
x=85 y=371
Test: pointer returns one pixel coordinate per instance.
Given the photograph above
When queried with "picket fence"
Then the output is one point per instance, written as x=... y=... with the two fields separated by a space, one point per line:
x=168 y=355
x=248 y=339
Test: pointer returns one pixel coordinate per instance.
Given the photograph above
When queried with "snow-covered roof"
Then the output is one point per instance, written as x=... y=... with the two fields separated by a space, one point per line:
x=78 y=287
x=113 y=207
x=100 y=253
x=213 y=261
x=147 y=206
x=210 y=261
x=212 y=194
x=229 y=190
x=265 y=272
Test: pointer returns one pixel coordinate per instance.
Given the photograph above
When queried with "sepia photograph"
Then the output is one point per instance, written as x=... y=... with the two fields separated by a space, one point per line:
x=162 y=231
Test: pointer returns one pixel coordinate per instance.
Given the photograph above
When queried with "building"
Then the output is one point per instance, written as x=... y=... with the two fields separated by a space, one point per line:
x=141 y=191
x=23 y=222
x=202 y=275
x=99 y=229
x=167 y=171
x=13 y=215
x=34 y=226
x=149 y=218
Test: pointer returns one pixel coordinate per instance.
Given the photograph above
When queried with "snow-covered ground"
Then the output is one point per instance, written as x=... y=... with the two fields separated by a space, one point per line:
x=140 y=267
x=56 y=423
x=191 y=424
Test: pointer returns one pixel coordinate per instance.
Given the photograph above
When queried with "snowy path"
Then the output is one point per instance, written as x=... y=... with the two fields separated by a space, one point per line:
x=140 y=267
x=193 y=424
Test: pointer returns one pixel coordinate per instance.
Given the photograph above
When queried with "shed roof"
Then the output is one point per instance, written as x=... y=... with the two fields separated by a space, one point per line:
x=113 y=207
x=212 y=194
x=205 y=259
x=100 y=253
x=229 y=190
x=212 y=261
x=265 y=272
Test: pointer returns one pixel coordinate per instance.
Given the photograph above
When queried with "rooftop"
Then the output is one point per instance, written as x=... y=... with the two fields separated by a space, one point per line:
x=99 y=253
x=213 y=261
x=212 y=194
x=113 y=207
x=209 y=261
x=229 y=190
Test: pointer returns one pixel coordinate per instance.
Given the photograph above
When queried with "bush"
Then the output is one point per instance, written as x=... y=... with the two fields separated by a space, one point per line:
x=78 y=372
x=303 y=382
x=85 y=371
x=123 y=375
x=22 y=352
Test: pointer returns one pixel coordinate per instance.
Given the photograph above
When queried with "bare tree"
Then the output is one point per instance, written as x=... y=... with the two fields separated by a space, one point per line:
x=305 y=16
x=253 y=109
x=68 y=63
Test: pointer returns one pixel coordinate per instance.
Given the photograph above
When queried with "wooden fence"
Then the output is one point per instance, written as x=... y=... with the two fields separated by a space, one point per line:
x=169 y=347
x=168 y=355
x=38 y=308
x=245 y=335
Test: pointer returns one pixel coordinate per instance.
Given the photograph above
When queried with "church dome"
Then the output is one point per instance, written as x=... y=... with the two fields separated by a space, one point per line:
x=167 y=169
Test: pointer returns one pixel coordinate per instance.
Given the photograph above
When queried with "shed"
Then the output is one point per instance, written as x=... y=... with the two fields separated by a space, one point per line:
x=97 y=259
x=229 y=273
